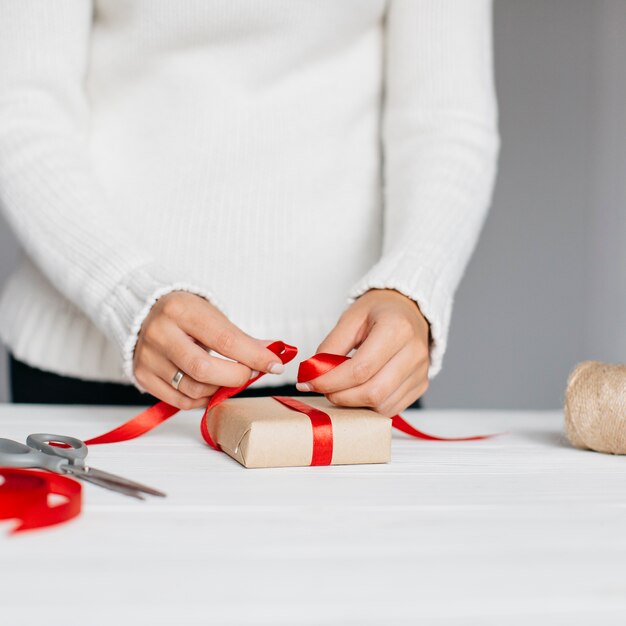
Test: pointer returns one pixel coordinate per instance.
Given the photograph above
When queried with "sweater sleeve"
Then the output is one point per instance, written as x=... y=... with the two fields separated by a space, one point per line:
x=440 y=144
x=48 y=190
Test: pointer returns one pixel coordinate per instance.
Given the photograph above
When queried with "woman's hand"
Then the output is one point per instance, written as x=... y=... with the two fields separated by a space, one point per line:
x=175 y=336
x=390 y=368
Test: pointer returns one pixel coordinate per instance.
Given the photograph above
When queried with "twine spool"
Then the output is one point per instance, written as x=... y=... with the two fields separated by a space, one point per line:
x=595 y=407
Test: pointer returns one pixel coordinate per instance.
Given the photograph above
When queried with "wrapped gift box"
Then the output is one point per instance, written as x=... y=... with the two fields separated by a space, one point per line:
x=263 y=432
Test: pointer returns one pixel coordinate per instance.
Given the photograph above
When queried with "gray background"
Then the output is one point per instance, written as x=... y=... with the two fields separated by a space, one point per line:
x=546 y=287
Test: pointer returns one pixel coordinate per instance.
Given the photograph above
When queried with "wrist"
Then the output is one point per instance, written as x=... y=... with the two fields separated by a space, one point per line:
x=390 y=292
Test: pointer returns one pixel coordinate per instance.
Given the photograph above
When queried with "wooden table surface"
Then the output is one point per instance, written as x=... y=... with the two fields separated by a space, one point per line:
x=520 y=529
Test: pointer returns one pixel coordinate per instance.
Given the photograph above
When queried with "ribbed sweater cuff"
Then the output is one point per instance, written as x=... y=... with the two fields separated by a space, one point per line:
x=408 y=276
x=131 y=302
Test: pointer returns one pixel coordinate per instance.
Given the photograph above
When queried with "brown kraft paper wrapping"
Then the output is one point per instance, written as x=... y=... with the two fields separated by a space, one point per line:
x=262 y=432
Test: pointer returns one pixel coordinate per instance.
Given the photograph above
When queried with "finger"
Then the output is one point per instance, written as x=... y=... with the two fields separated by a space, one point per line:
x=375 y=392
x=165 y=392
x=165 y=369
x=196 y=363
x=220 y=334
x=344 y=336
x=381 y=344
x=404 y=397
x=190 y=387
x=408 y=392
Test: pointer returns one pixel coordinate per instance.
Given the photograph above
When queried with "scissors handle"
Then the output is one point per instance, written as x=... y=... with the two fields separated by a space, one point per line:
x=73 y=451
x=14 y=454
x=68 y=460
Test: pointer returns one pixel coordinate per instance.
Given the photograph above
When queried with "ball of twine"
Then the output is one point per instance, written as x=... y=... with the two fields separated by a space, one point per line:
x=595 y=407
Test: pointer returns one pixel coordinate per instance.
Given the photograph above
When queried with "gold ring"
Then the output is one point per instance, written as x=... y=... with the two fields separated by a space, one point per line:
x=175 y=382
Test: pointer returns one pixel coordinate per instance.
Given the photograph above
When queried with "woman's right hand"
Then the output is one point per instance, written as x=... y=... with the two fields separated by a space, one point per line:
x=176 y=335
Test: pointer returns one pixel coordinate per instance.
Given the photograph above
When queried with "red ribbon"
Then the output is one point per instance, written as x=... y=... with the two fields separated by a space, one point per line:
x=322 y=429
x=24 y=495
x=24 y=492
x=161 y=411
x=324 y=362
x=283 y=351
x=308 y=369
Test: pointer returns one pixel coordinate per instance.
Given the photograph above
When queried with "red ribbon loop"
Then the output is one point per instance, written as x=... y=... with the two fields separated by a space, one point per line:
x=319 y=364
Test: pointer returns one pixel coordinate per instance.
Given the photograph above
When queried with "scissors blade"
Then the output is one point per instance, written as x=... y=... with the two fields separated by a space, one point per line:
x=83 y=474
x=124 y=482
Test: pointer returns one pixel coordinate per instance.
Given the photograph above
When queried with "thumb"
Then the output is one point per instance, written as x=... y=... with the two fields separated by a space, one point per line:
x=344 y=336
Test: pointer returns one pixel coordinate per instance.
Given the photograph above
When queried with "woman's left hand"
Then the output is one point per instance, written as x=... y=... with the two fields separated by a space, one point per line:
x=390 y=368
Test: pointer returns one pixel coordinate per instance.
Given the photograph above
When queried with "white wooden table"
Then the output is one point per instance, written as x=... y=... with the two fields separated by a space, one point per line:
x=519 y=529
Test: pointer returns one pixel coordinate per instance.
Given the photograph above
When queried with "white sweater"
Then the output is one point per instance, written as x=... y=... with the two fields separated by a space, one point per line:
x=235 y=149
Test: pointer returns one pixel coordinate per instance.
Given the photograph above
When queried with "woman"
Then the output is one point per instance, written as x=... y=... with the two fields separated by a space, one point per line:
x=193 y=180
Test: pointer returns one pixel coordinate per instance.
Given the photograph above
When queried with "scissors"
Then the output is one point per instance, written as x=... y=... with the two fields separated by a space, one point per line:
x=69 y=459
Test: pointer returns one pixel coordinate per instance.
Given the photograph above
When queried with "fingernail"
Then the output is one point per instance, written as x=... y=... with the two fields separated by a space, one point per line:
x=304 y=387
x=276 y=368
x=254 y=373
